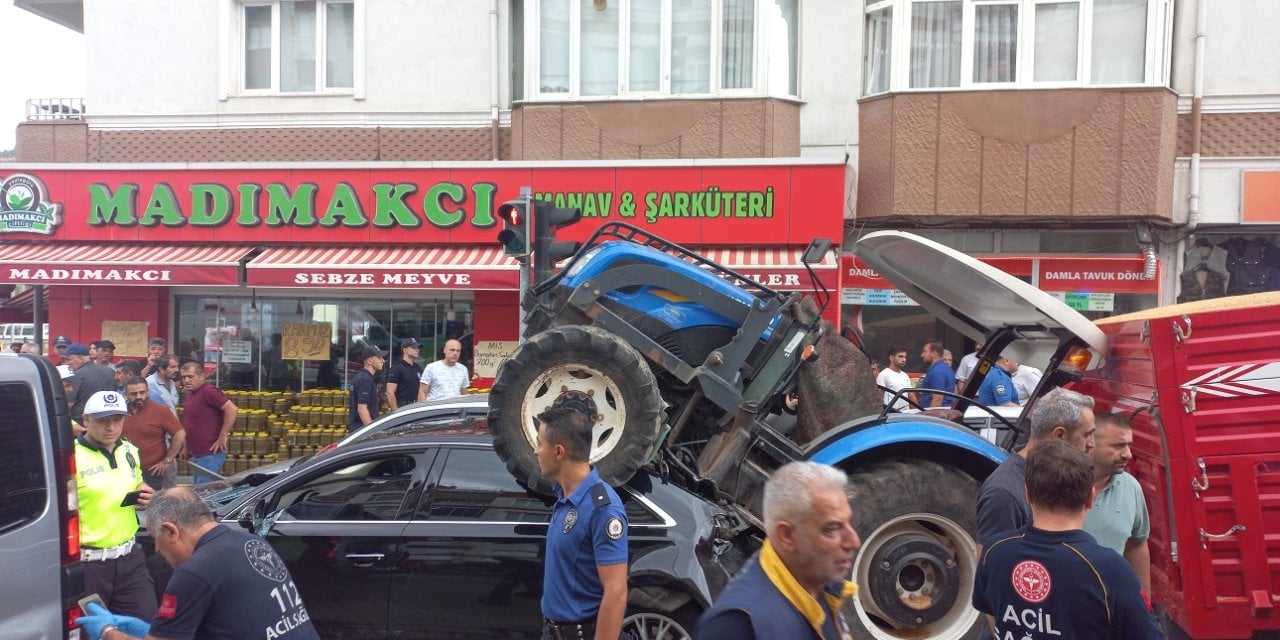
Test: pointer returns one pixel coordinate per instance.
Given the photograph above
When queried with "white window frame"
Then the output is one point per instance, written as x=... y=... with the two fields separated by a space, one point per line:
x=1157 y=61
x=234 y=82
x=759 y=71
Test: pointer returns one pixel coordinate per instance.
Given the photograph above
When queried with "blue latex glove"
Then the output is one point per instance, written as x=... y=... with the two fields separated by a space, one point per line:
x=97 y=618
x=132 y=626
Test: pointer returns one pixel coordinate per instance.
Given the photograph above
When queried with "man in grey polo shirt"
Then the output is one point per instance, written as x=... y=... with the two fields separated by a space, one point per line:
x=1118 y=519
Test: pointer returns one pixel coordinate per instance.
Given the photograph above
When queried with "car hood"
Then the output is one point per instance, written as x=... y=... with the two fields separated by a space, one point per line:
x=975 y=298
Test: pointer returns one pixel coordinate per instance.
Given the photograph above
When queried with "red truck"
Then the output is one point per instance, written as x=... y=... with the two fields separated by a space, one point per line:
x=1201 y=381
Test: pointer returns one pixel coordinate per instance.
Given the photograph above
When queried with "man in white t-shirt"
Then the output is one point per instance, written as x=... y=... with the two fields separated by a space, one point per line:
x=444 y=378
x=967 y=365
x=1025 y=380
x=893 y=378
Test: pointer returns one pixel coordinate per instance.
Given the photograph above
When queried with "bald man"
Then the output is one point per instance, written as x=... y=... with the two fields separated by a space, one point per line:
x=445 y=377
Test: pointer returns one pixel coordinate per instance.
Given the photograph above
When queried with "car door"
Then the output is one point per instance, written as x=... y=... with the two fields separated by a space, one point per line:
x=337 y=526
x=472 y=555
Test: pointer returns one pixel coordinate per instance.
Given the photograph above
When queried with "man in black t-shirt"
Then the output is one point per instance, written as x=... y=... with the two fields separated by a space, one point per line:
x=363 y=403
x=1002 y=501
x=227 y=584
x=402 y=379
x=1050 y=579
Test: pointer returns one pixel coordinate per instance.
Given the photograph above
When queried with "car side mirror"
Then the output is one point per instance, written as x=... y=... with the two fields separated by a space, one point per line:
x=252 y=515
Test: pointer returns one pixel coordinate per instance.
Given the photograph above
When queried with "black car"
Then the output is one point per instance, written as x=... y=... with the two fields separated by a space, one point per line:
x=426 y=535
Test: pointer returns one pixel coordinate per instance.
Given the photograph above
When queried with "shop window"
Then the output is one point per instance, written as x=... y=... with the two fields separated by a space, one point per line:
x=296 y=46
x=240 y=339
x=971 y=44
x=600 y=48
x=1217 y=265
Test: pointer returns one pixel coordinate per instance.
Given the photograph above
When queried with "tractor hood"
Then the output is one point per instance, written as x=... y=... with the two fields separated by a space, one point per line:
x=975 y=298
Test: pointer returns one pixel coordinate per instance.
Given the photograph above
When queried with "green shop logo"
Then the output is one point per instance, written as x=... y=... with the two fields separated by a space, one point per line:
x=25 y=206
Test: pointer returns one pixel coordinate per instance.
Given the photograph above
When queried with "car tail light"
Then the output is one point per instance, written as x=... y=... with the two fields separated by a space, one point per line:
x=71 y=502
x=73 y=630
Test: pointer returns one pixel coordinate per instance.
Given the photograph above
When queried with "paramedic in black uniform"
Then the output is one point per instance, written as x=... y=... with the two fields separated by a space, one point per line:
x=227 y=584
x=1050 y=579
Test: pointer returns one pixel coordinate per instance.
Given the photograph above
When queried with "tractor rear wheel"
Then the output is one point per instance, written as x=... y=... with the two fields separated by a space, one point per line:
x=588 y=368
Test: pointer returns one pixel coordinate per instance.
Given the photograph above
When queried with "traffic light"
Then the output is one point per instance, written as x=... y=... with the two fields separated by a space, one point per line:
x=514 y=236
x=547 y=251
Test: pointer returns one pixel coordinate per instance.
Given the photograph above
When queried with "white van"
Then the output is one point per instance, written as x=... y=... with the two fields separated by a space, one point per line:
x=42 y=578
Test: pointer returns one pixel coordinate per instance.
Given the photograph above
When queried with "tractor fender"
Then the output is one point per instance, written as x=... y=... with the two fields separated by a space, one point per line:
x=928 y=439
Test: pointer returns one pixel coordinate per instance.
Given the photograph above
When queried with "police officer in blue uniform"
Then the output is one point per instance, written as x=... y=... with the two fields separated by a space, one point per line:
x=997 y=388
x=584 y=591
x=227 y=584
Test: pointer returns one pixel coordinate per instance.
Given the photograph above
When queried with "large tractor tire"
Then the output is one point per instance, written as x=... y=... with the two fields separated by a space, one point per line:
x=915 y=569
x=589 y=368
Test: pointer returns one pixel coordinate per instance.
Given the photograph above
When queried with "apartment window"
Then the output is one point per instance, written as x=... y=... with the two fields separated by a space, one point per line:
x=297 y=46
x=974 y=44
x=603 y=48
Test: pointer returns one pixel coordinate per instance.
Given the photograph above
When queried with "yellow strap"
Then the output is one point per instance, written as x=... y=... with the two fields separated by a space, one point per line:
x=786 y=583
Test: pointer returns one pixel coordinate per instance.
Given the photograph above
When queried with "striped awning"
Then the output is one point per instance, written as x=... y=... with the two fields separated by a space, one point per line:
x=775 y=267
x=115 y=264
x=24 y=300
x=459 y=267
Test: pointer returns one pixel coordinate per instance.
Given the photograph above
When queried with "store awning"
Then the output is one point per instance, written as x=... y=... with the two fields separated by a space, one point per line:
x=24 y=300
x=130 y=264
x=463 y=267
x=775 y=267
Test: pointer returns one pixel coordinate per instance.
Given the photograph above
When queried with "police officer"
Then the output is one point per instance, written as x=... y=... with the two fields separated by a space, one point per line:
x=997 y=388
x=227 y=584
x=402 y=379
x=584 y=592
x=109 y=485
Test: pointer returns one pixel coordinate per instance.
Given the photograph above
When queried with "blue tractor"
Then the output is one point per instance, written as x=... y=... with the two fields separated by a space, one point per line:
x=685 y=366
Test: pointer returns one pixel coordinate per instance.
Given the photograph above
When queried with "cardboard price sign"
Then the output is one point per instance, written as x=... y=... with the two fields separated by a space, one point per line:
x=130 y=337
x=306 y=341
x=490 y=353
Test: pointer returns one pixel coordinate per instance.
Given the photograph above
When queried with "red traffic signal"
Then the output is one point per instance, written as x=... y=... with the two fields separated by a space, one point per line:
x=514 y=236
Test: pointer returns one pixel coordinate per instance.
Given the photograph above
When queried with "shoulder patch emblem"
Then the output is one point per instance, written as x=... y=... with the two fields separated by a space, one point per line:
x=1000 y=388
x=264 y=560
x=168 y=606
x=614 y=528
x=570 y=519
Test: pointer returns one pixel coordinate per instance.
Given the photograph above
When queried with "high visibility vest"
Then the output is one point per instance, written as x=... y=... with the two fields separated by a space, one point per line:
x=102 y=480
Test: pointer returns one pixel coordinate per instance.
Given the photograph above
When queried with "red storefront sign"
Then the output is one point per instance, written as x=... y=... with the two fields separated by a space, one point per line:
x=1076 y=274
x=692 y=204
x=1109 y=275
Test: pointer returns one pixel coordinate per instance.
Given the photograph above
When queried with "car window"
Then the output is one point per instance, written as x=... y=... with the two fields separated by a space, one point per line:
x=367 y=490
x=426 y=424
x=451 y=426
x=22 y=482
x=474 y=486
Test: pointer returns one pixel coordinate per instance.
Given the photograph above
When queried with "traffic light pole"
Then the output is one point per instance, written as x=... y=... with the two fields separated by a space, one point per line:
x=526 y=194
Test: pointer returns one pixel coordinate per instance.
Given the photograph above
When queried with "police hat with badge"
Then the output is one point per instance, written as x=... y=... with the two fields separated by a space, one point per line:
x=106 y=404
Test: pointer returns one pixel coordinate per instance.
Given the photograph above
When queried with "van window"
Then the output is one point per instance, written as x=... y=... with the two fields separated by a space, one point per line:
x=23 y=493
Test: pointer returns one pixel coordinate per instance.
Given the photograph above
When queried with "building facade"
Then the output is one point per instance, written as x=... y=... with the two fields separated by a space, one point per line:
x=1091 y=147
x=250 y=165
